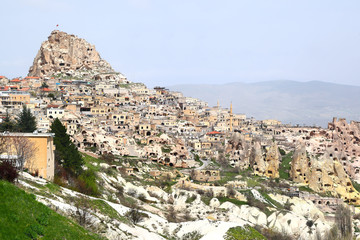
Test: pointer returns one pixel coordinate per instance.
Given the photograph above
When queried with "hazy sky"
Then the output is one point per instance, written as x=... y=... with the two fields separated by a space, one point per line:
x=166 y=42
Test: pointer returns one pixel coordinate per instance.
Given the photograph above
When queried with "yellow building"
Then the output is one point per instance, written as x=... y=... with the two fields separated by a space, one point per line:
x=42 y=160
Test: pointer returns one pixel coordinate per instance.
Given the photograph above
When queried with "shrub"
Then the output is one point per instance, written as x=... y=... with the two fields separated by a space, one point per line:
x=82 y=211
x=194 y=235
x=230 y=191
x=243 y=233
x=8 y=172
x=135 y=216
x=288 y=205
x=107 y=157
x=34 y=230
x=209 y=193
x=142 y=197
x=191 y=199
x=132 y=192
x=252 y=201
x=86 y=183
x=271 y=234
x=172 y=215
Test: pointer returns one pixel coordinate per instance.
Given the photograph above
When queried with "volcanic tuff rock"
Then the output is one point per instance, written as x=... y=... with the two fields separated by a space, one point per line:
x=346 y=145
x=328 y=175
x=67 y=54
x=266 y=166
x=300 y=163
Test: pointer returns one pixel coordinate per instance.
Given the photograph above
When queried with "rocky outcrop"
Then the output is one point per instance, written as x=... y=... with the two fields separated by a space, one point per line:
x=328 y=175
x=346 y=145
x=265 y=166
x=67 y=55
x=300 y=165
x=238 y=150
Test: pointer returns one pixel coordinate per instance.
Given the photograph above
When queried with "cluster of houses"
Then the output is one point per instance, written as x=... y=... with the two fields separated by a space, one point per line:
x=118 y=117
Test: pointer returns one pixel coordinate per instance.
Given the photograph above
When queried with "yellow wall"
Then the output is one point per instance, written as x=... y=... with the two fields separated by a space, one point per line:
x=43 y=160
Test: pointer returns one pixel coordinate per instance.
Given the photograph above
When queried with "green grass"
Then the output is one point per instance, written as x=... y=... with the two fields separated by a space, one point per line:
x=305 y=189
x=166 y=149
x=191 y=199
x=285 y=166
x=22 y=217
x=243 y=233
x=234 y=201
x=269 y=199
x=88 y=160
x=356 y=185
x=197 y=159
x=53 y=187
x=107 y=210
x=206 y=200
x=227 y=176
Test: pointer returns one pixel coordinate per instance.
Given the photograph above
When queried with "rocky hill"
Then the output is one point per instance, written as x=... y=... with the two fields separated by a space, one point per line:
x=66 y=54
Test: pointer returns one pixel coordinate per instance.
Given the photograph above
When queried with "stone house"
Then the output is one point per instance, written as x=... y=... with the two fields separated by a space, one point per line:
x=206 y=175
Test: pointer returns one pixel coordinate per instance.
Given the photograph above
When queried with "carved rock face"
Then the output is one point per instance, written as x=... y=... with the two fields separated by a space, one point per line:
x=65 y=53
x=267 y=165
x=300 y=171
x=323 y=174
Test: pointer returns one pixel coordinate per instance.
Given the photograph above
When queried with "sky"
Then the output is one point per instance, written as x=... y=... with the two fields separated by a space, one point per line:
x=170 y=42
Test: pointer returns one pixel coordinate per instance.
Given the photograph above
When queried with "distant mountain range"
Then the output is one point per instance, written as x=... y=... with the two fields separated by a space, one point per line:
x=292 y=102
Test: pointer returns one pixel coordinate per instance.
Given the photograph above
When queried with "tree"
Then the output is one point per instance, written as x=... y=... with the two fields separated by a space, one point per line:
x=7 y=124
x=44 y=85
x=135 y=216
x=82 y=212
x=25 y=151
x=26 y=121
x=66 y=153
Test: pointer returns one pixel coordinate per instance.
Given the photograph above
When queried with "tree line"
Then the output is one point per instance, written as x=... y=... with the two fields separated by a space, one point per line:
x=24 y=122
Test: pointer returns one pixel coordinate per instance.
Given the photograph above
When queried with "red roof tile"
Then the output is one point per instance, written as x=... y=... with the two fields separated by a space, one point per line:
x=213 y=133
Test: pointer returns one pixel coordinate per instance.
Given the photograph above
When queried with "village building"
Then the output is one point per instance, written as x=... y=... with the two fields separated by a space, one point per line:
x=42 y=161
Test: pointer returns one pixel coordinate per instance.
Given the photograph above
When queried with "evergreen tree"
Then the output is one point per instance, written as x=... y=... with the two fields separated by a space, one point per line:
x=7 y=124
x=26 y=122
x=66 y=152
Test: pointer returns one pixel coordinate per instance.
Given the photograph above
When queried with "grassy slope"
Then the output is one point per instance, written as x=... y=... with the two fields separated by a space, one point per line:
x=21 y=217
x=285 y=166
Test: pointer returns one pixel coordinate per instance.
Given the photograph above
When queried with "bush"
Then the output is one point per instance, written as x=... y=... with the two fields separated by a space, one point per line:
x=132 y=192
x=8 y=172
x=271 y=234
x=191 y=199
x=243 y=233
x=86 y=183
x=172 y=215
x=107 y=157
x=209 y=193
x=34 y=230
x=230 y=191
x=252 y=201
x=282 y=151
x=194 y=235
x=135 y=216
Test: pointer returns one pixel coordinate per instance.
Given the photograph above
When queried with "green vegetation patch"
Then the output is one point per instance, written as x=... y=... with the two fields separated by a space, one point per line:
x=234 y=201
x=356 y=185
x=305 y=189
x=107 y=210
x=226 y=177
x=285 y=166
x=22 y=217
x=243 y=233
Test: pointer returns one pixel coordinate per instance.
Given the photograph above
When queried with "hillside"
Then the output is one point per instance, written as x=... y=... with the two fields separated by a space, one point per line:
x=288 y=101
x=22 y=217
